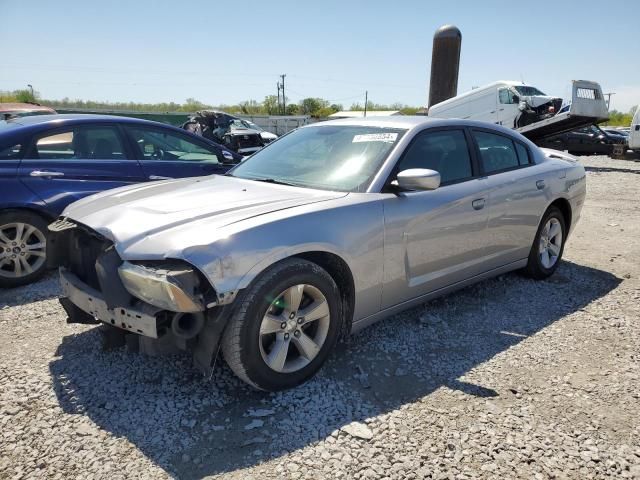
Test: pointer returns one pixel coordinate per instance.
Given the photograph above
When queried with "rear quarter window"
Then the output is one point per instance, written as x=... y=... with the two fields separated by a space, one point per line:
x=10 y=153
x=523 y=154
x=497 y=152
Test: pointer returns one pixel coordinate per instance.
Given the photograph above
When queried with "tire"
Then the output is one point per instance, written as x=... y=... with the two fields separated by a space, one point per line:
x=22 y=263
x=538 y=266
x=248 y=343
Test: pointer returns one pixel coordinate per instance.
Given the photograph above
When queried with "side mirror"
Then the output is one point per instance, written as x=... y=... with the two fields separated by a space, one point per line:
x=515 y=99
x=227 y=158
x=418 y=179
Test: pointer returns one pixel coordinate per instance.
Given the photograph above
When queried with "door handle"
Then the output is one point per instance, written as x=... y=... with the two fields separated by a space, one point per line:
x=478 y=204
x=159 y=177
x=540 y=184
x=40 y=173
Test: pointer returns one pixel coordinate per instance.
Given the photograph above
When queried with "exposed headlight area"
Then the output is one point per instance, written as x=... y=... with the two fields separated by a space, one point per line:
x=173 y=286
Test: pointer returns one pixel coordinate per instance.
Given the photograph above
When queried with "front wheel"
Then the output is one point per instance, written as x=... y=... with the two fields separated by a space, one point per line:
x=23 y=248
x=548 y=245
x=285 y=326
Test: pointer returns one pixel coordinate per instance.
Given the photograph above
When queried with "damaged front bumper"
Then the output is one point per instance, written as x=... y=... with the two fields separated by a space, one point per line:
x=94 y=292
x=141 y=320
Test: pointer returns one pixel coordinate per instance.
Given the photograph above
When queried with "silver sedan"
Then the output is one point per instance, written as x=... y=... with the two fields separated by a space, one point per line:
x=323 y=232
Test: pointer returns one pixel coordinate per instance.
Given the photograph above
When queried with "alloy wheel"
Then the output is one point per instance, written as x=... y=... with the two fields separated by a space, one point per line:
x=550 y=243
x=294 y=328
x=22 y=249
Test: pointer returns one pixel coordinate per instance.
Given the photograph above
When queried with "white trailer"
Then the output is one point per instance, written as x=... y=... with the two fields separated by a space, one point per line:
x=526 y=109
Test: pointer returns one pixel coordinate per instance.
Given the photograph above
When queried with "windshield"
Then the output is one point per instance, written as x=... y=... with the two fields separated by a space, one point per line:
x=331 y=157
x=239 y=124
x=528 y=91
x=251 y=125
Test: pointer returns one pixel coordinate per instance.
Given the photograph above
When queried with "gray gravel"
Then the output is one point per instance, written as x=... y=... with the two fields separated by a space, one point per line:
x=507 y=379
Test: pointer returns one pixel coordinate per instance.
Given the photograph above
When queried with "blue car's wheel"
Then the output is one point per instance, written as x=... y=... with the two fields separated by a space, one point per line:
x=23 y=248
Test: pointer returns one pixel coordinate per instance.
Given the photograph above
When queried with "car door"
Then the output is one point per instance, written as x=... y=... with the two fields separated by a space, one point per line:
x=517 y=196
x=165 y=153
x=64 y=165
x=507 y=107
x=435 y=238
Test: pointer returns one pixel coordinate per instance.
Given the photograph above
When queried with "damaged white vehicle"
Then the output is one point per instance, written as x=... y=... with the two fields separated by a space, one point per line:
x=509 y=103
x=323 y=232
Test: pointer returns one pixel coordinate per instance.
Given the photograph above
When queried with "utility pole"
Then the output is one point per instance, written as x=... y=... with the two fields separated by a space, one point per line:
x=284 y=99
x=609 y=98
x=366 y=100
x=279 y=109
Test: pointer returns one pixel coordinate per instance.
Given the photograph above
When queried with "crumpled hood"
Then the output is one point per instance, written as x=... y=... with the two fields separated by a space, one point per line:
x=160 y=213
x=537 y=100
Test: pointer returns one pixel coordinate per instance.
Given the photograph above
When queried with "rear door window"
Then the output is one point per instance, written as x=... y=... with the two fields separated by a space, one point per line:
x=86 y=143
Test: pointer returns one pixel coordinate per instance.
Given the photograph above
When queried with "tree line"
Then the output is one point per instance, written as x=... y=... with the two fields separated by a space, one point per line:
x=315 y=107
x=620 y=119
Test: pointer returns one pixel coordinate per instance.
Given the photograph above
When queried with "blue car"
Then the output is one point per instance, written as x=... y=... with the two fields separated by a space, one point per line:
x=50 y=161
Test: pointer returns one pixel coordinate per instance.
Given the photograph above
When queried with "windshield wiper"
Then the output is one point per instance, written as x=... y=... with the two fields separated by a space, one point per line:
x=274 y=181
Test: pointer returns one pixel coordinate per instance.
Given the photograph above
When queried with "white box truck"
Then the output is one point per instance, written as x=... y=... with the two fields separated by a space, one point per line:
x=509 y=103
x=526 y=109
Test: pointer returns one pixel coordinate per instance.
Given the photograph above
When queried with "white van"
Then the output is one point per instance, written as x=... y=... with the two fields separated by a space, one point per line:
x=509 y=103
x=634 y=134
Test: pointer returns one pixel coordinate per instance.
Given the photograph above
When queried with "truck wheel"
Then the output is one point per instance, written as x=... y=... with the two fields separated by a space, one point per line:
x=548 y=245
x=23 y=248
x=285 y=326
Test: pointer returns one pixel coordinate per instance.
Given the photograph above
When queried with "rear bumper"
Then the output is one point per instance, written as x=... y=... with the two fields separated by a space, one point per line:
x=141 y=321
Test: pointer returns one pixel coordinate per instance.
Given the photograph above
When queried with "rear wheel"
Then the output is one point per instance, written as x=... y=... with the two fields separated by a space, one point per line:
x=548 y=245
x=286 y=325
x=23 y=248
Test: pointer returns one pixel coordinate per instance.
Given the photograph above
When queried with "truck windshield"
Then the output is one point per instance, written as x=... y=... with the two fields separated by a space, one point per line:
x=251 y=125
x=528 y=91
x=332 y=157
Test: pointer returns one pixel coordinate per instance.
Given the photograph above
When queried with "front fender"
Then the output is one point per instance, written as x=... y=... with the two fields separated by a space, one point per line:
x=353 y=232
x=290 y=251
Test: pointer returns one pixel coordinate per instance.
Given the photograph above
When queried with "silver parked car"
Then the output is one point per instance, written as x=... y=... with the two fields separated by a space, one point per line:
x=323 y=232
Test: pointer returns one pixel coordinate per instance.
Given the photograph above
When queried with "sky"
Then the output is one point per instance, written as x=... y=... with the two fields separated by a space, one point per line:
x=226 y=52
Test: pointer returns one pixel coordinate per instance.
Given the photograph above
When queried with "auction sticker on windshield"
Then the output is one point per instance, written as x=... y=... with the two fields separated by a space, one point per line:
x=375 y=137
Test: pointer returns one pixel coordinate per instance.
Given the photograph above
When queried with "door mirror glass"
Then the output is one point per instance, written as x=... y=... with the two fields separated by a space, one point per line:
x=418 y=179
x=228 y=158
x=515 y=99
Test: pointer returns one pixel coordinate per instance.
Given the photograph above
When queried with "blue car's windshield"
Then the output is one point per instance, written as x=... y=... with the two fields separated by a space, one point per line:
x=331 y=157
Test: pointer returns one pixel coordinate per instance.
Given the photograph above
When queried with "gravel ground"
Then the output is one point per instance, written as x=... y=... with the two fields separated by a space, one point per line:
x=510 y=378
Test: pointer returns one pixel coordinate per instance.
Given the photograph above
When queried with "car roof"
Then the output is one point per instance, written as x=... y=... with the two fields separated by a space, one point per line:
x=75 y=118
x=24 y=107
x=37 y=123
x=19 y=128
x=412 y=122
x=419 y=122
